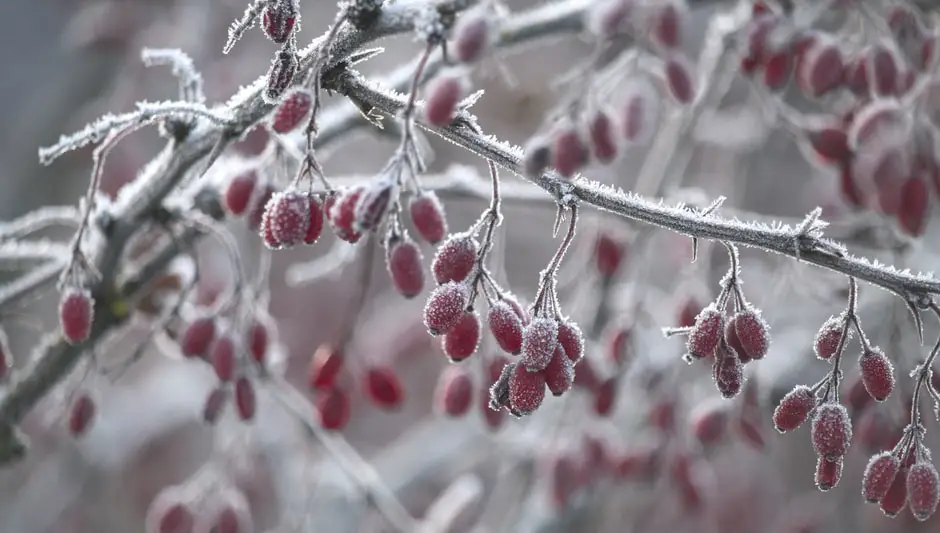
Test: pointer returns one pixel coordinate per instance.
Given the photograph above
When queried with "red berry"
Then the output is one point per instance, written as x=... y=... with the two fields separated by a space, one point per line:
x=877 y=373
x=239 y=191
x=668 y=24
x=923 y=490
x=455 y=258
x=373 y=204
x=571 y=340
x=403 y=261
x=794 y=408
x=427 y=215
x=821 y=68
x=828 y=473
x=76 y=314
x=640 y=112
x=914 y=211
x=222 y=357
x=709 y=422
x=601 y=130
x=454 y=392
x=539 y=339
x=445 y=306
x=245 y=402
x=472 y=36
x=287 y=217
x=879 y=475
x=324 y=367
x=608 y=253
x=706 y=333
x=883 y=69
x=256 y=215
x=617 y=342
x=830 y=142
x=831 y=431
x=752 y=331
x=559 y=374
x=215 y=403
x=462 y=341
x=258 y=339
x=332 y=407
x=280 y=75
x=605 y=394
x=198 y=337
x=315 y=222
x=777 y=69
x=856 y=397
x=383 y=387
x=728 y=373
x=895 y=500
x=828 y=337
x=688 y=312
x=526 y=390
x=506 y=326
x=177 y=518
x=292 y=111
x=443 y=94
x=569 y=150
x=341 y=213
x=81 y=414
x=680 y=79
x=278 y=19
x=733 y=342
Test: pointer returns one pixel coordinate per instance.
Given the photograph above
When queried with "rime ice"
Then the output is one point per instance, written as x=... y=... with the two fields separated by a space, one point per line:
x=445 y=306
x=831 y=431
x=539 y=339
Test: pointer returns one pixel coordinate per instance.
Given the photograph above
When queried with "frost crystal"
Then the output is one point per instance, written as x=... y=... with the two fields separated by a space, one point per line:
x=429 y=24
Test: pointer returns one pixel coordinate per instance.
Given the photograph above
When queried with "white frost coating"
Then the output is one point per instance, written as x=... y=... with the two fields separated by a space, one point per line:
x=539 y=340
x=428 y=24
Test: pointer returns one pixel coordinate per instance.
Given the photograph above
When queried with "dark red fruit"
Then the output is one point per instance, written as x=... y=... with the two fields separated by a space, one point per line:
x=443 y=94
x=707 y=332
x=506 y=326
x=383 y=387
x=445 y=306
x=324 y=367
x=278 y=19
x=877 y=373
x=76 y=313
x=403 y=261
x=539 y=339
x=280 y=75
x=526 y=390
x=198 y=337
x=753 y=332
x=794 y=408
x=293 y=111
x=879 y=475
x=81 y=414
x=831 y=431
x=454 y=393
x=463 y=339
x=828 y=473
x=559 y=374
x=427 y=215
x=332 y=407
x=239 y=191
x=455 y=258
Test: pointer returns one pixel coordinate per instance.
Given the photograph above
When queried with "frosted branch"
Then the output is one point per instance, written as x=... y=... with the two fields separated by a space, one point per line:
x=183 y=68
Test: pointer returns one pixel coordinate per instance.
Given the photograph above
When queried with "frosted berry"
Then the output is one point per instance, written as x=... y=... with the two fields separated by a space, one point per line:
x=709 y=422
x=559 y=374
x=831 y=431
x=222 y=357
x=258 y=339
x=571 y=340
x=287 y=216
x=293 y=111
x=280 y=75
x=245 y=401
x=455 y=258
x=680 y=79
x=569 y=150
x=332 y=406
x=198 y=337
x=454 y=393
x=914 y=209
x=403 y=261
x=923 y=490
x=383 y=387
x=706 y=333
x=896 y=498
x=443 y=94
x=526 y=390
x=278 y=19
x=883 y=69
x=830 y=142
x=668 y=24
x=315 y=222
x=373 y=204
x=445 y=306
x=608 y=254
x=76 y=313
x=877 y=373
x=753 y=332
x=734 y=342
x=603 y=136
x=728 y=373
x=517 y=307
x=794 y=408
x=214 y=405
x=828 y=473
x=427 y=215
x=81 y=414
x=472 y=36
x=505 y=326
x=821 y=68
x=324 y=367
x=238 y=192
x=462 y=341
x=341 y=213
x=879 y=475
x=778 y=67
x=828 y=337
x=539 y=339
x=605 y=393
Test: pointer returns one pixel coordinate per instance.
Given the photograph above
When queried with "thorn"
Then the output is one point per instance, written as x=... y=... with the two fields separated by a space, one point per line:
x=918 y=321
x=559 y=218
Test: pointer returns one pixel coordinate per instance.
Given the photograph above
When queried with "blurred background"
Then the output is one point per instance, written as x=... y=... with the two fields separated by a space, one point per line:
x=563 y=469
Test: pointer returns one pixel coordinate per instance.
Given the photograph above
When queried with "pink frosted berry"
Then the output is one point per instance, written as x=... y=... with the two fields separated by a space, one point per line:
x=198 y=337
x=828 y=473
x=222 y=357
x=463 y=339
x=403 y=261
x=278 y=19
x=287 y=216
x=506 y=326
x=443 y=94
x=76 y=314
x=923 y=490
x=668 y=23
x=315 y=222
x=383 y=387
x=821 y=68
x=895 y=500
x=280 y=75
x=325 y=366
x=752 y=332
x=293 y=111
x=539 y=339
x=472 y=36
x=794 y=408
x=238 y=192
x=680 y=79
x=455 y=258
x=332 y=406
x=879 y=475
x=427 y=215
x=571 y=339
x=373 y=204
x=883 y=69
x=258 y=339
x=831 y=431
x=559 y=374
x=445 y=307
x=81 y=414
x=603 y=135
x=728 y=373
x=706 y=333
x=569 y=150
x=734 y=342
x=526 y=390
x=828 y=337
x=341 y=213
x=214 y=404
x=877 y=373
x=454 y=393
x=245 y=401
